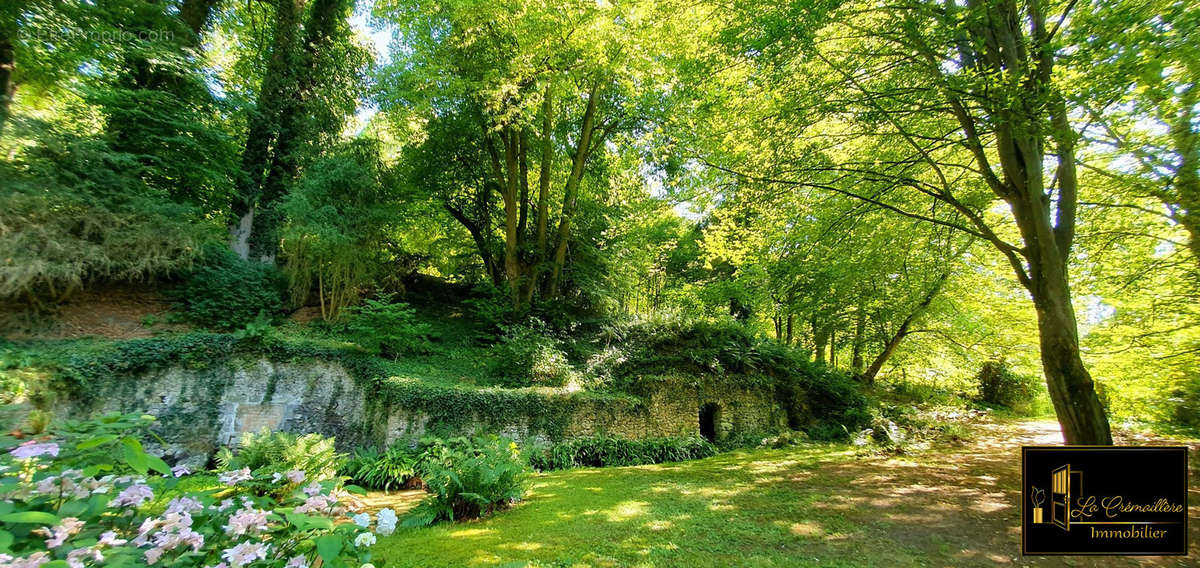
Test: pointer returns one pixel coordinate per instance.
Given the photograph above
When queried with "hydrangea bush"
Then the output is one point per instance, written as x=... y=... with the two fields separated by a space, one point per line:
x=89 y=495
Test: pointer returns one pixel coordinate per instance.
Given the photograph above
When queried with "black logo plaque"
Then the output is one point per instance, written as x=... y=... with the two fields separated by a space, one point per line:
x=1104 y=500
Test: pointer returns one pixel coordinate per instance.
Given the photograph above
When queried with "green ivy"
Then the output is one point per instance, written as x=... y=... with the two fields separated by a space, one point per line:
x=83 y=370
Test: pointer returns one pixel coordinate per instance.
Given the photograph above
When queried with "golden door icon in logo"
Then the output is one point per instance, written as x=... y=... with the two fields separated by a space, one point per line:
x=1060 y=497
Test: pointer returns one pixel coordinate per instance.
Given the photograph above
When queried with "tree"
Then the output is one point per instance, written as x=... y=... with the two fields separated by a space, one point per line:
x=967 y=97
x=544 y=87
x=310 y=85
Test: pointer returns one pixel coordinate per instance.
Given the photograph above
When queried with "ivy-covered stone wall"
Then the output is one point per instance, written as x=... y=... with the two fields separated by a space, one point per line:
x=201 y=407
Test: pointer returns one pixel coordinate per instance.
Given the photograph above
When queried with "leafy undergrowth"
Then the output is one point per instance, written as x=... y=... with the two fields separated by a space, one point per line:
x=811 y=505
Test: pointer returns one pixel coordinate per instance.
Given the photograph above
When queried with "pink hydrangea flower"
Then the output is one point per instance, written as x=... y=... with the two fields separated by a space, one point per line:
x=245 y=553
x=33 y=449
x=133 y=496
x=295 y=476
x=176 y=531
x=316 y=504
x=235 y=477
x=76 y=557
x=313 y=488
x=66 y=528
x=298 y=561
x=32 y=561
x=246 y=521
x=184 y=505
x=109 y=538
x=180 y=471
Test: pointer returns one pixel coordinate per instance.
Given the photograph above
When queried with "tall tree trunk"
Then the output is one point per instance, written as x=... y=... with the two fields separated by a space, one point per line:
x=791 y=320
x=196 y=13
x=320 y=30
x=8 y=63
x=278 y=86
x=860 y=332
x=543 y=200
x=572 y=191
x=833 y=347
x=509 y=188
x=1018 y=96
x=523 y=161
x=820 y=339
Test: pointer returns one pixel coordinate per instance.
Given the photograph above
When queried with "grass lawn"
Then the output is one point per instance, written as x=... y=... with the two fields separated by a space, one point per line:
x=738 y=508
x=808 y=506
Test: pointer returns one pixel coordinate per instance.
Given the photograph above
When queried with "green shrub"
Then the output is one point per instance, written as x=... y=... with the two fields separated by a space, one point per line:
x=225 y=292
x=605 y=451
x=268 y=451
x=74 y=211
x=530 y=355
x=674 y=345
x=387 y=469
x=467 y=479
x=832 y=399
x=1000 y=386
x=388 y=329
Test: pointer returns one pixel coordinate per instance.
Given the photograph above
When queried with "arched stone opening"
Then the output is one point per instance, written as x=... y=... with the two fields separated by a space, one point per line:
x=710 y=417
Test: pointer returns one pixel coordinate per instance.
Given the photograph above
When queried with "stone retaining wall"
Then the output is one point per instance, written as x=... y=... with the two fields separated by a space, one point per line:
x=201 y=409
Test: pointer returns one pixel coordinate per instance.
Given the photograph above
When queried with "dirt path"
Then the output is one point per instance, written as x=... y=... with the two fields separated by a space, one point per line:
x=960 y=503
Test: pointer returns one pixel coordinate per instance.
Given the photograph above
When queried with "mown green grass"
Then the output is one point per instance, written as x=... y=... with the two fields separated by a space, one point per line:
x=746 y=508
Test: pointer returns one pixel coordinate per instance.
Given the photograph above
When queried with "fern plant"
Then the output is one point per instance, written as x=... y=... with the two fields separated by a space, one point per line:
x=605 y=451
x=382 y=469
x=468 y=479
x=313 y=454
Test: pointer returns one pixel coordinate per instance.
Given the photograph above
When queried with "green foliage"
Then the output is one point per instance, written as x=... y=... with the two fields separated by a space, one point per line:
x=833 y=400
x=225 y=292
x=1185 y=410
x=605 y=451
x=529 y=355
x=387 y=469
x=72 y=211
x=388 y=329
x=1001 y=386
x=825 y=402
x=686 y=345
x=93 y=477
x=336 y=239
x=468 y=479
x=268 y=451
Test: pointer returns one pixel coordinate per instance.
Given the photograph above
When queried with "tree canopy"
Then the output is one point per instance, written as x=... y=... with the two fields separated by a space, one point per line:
x=903 y=190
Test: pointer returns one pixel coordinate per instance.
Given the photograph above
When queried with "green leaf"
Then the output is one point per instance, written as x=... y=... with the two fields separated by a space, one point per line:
x=6 y=540
x=355 y=489
x=33 y=517
x=93 y=442
x=135 y=456
x=306 y=522
x=328 y=546
x=324 y=523
x=73 y=508
x=297 y=520
x=157 y=464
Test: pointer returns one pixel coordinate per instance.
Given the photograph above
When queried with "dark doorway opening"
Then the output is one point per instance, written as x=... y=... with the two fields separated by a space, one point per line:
x=708 y=421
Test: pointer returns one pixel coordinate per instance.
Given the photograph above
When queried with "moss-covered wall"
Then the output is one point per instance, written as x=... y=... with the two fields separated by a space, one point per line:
x=202 y=407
